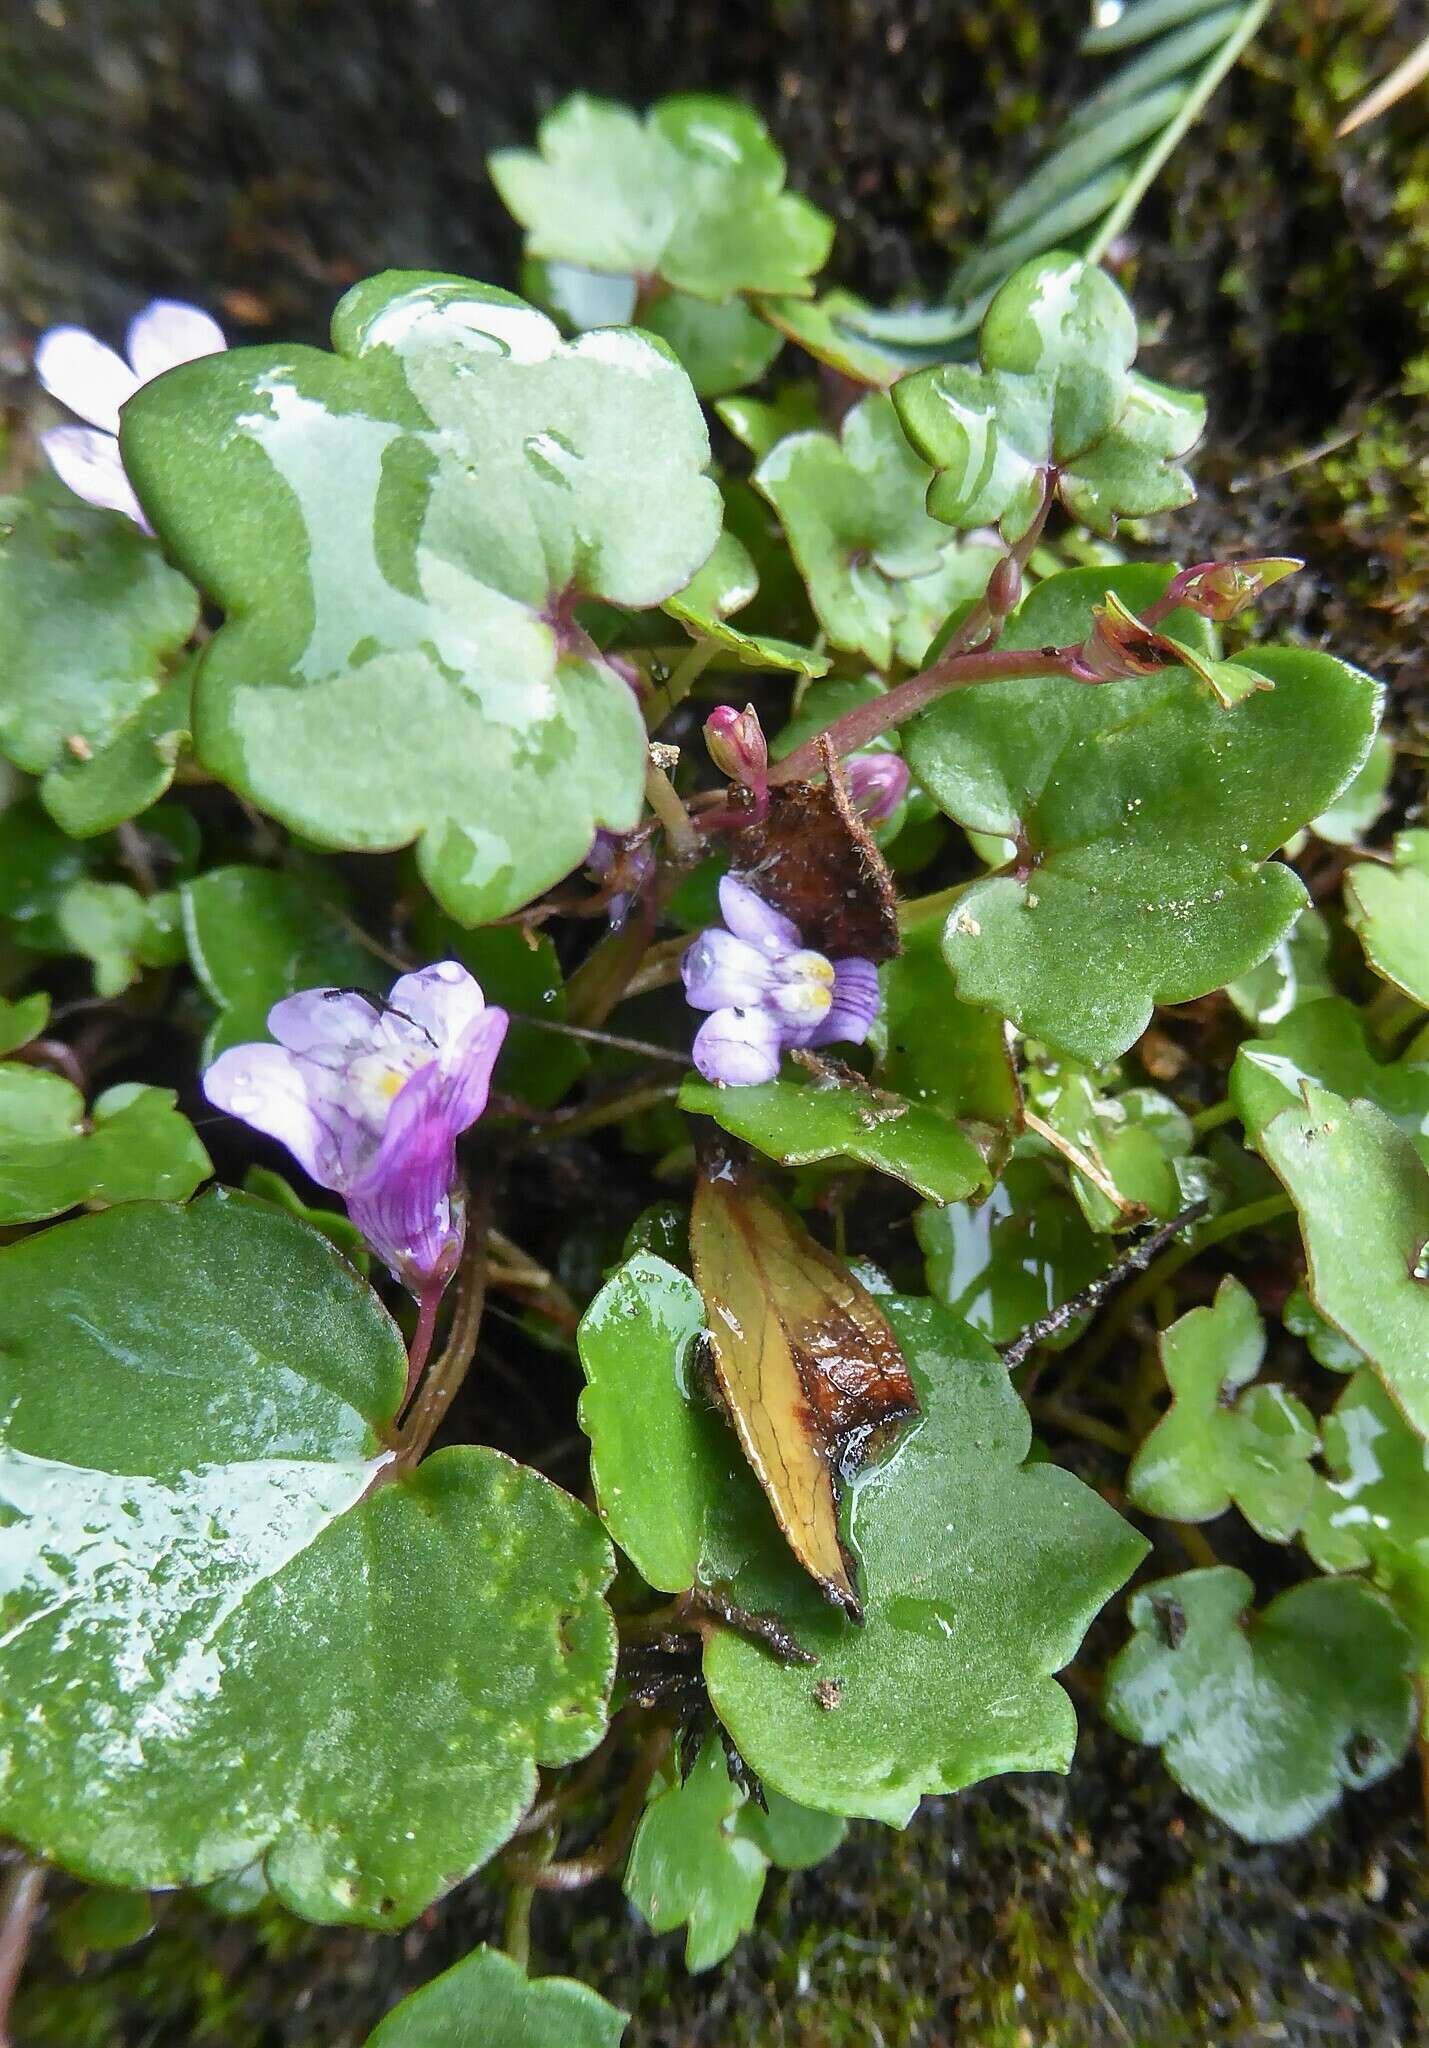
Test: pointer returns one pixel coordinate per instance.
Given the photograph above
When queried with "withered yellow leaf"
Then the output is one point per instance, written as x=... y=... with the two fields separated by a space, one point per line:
x=807 y=1363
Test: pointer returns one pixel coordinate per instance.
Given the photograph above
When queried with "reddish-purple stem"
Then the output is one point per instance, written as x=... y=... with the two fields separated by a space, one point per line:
x=428 y=1302
x=953 y=672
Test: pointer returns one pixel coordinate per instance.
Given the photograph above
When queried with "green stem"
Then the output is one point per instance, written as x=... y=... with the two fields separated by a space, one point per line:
x=1212 y=1118
x=441 y=1385
x=682 y=679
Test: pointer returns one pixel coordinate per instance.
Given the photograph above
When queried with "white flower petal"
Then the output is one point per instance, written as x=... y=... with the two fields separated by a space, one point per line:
x=168 y=333
x=88 y=461
x=77 y=369
x=434 y=1007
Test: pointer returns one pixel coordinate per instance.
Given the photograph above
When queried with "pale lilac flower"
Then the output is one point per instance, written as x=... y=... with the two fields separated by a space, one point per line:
x=370 y=1099
x=877 y=784
x=81 y=372
x=767 y=991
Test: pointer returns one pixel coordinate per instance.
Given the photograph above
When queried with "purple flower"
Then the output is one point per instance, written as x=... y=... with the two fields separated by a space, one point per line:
x=767 y=991
x=877 y=784
x=370 y=1099
x=81 y=372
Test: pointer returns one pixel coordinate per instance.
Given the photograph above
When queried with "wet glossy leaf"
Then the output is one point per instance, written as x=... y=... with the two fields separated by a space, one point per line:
x=723 y=347
x=662 y=1459
x=820 y=328
x=22 y=1020
x=1139 y=1139
x=1356 y=808
x=1329 y=1044
x=91 y=621
x=692 y=196
x=1389 y=908
x=1327 y=1345
x=724 y=586
x=133 y=1147
x=981 y=1575
x=1053 y=386
x=119 y=931
x=936 y=1050
x=690 y=1865
x=758 y=423
x=882 y=575
x=1147 y=810
x=488 y=2001
x=126 y=777
x=99 y=1921
x=399 y=661
x=801 y=1123
x=1265 y=1717
x=1223 y=1439
x=1372 y=1506
x=811 y=1373
x=794 y=1837
x=1363 y=1196
x=254 y=936
x=260 y=1653
x=1295 y=971
x=335 y=1224
x=1018 y=1255
x=38 y=866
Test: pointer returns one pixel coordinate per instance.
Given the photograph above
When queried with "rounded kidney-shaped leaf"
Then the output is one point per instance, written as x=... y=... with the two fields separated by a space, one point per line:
x=1328 y=1043
x=255 y=936
x=135 y=1147
x=227 y=1639
x=1389 y=908
x=979 y=1576
x=1224 y=1440
x=1148 y=813
x=691 y=197
x=1053 y=388
x=398 y=532
x=92 y=618
x=691 y=1866
x=1363 y=1196
x=488 y=2001
x=1265 y=1718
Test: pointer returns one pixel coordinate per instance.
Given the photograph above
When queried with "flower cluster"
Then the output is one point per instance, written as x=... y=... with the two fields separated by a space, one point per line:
x=370 y=1098
x=92 y=380
x=767 y=992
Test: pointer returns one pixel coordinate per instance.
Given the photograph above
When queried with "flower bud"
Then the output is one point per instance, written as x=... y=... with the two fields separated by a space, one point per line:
x=877 y=784
x=735 y=742
x=1120 y=644
x=1004 y=587
x=1218 y=590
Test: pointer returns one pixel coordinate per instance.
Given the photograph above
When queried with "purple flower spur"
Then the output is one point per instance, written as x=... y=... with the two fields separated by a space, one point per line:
x=766 y=991
x=370 y=1099
x=94 y=381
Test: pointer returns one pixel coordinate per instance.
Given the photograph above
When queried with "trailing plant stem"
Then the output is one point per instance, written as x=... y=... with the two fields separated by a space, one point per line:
x=20 y=1893
x=441 y=1385
x=866 y=721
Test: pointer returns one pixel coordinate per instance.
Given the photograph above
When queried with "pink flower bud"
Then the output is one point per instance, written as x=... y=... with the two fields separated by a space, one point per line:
x=735 y=742
x=1218 y=590
x=877 y=785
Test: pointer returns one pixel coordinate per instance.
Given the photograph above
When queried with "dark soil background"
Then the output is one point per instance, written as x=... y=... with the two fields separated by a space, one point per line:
x=258 y=155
